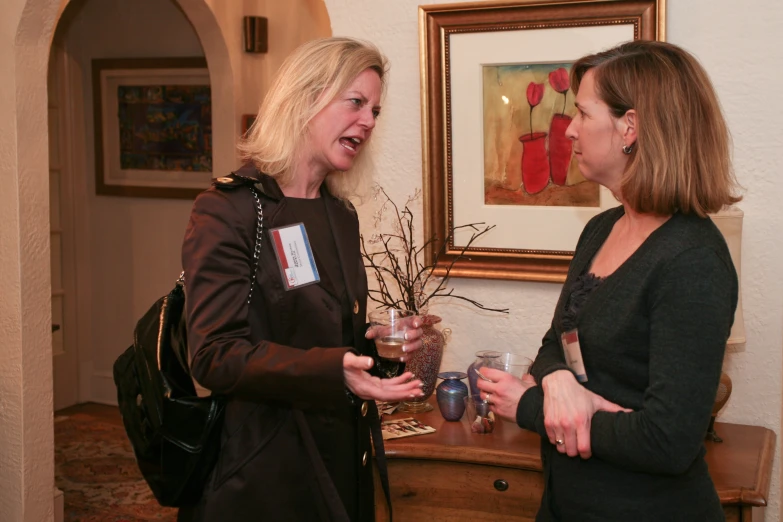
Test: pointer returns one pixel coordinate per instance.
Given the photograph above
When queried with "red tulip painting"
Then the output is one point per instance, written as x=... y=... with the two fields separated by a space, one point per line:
x=560 y=146
x=527 y=157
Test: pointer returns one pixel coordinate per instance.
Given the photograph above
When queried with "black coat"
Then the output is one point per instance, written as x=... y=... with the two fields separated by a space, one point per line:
x=279 y=361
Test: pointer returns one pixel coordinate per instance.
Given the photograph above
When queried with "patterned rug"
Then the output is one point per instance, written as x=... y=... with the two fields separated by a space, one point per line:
x=95 y=469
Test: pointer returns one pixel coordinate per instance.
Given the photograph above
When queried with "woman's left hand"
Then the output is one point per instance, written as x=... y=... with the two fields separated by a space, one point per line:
x=412 y=335
x=366 y=386
x=505 y=392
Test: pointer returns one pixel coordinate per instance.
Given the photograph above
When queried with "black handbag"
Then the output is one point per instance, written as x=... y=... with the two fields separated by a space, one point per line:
x=175 y=434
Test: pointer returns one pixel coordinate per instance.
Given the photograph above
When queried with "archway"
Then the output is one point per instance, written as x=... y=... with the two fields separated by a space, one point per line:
x=26 y=442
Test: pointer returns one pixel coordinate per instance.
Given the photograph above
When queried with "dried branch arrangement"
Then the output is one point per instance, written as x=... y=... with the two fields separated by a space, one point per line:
x=404 y=281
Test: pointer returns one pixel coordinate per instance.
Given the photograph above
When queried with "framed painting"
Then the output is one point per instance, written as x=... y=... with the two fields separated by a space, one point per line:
x=153 y=127
x=496 y=103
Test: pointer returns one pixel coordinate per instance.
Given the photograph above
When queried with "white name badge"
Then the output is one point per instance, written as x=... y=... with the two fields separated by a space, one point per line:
x=573 y=354
x=294 y=256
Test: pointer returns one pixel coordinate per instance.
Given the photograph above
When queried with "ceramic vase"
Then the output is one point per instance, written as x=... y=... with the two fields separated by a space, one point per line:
x=425 y=363
x=451 y=394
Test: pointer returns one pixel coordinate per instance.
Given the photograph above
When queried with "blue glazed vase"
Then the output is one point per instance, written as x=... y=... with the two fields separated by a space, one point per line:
x=450 y=394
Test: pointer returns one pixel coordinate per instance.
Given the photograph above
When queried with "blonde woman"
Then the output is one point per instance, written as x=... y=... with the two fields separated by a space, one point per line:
x=293 y=361
x=648 y=303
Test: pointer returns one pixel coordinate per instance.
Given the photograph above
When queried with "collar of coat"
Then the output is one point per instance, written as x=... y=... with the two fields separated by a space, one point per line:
x=265 y=183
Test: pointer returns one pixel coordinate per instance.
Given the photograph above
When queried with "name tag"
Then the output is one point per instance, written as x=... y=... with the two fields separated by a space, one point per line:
x=573 y=354
x=294 y=256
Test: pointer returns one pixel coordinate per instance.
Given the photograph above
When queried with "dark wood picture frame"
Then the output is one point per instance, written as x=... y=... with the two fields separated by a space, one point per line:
x=110 y=178
x=437 y=25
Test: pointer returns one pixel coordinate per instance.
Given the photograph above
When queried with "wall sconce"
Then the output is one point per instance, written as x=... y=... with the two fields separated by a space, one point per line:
x=729 y=222
x=255 y=34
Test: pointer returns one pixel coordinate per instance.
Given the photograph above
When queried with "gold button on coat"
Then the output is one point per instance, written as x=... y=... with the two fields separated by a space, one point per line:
x=356 y=307
x=364 y=409
x=364 y=459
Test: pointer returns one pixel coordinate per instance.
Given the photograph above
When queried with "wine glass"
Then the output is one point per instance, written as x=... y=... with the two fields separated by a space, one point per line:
x=390 y=325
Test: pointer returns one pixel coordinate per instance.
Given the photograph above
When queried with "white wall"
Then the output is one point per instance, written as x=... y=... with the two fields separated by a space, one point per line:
x=740 y=44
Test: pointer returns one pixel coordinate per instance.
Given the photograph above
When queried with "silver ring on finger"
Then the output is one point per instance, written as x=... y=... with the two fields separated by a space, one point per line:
x=487 y=399
x=559 y=442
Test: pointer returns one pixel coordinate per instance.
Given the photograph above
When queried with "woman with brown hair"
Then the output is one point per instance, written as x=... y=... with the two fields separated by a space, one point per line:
x=287 y=347
x=623 y=384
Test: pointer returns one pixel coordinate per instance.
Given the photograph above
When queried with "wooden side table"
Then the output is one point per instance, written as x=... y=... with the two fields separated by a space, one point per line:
x=456 y=475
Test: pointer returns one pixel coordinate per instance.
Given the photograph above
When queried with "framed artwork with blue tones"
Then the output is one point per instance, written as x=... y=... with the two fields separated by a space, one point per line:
x=496 y=103
x=153 y=127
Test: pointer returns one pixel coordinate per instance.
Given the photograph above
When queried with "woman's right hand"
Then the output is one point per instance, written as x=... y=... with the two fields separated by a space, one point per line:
x=368 y=387
x=568 y=411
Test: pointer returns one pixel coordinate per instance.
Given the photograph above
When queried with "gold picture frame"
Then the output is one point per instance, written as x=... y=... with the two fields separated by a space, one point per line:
x=457 y=42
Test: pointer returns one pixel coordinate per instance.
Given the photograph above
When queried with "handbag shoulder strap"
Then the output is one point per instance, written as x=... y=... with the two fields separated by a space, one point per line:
x=259 y=237
x=256 y=245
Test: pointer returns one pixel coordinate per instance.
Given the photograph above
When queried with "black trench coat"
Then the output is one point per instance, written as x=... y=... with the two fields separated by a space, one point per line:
x=278 y=360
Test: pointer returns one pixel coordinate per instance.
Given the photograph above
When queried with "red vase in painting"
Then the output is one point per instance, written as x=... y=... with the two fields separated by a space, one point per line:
x=535 y=163
x=559 y=148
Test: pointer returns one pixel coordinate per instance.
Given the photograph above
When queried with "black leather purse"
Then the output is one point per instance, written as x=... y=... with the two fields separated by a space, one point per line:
x=175 y=434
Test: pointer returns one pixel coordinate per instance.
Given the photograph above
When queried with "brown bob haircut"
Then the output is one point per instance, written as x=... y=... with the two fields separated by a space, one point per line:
x=681 y=160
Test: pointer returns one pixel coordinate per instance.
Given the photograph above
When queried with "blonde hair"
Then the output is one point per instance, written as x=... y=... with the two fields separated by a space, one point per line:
x=681 y=160
x=309 y=79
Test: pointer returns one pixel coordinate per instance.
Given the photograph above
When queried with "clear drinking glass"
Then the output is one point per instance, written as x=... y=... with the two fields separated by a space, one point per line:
x=390 y=326
x=479 y=417
x=515 y=364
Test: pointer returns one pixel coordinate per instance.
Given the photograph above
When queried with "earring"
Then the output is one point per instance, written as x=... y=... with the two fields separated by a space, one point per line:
x=627 y=149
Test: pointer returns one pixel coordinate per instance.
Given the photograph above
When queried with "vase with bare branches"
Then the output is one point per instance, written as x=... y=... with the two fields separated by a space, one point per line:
x=405 y=280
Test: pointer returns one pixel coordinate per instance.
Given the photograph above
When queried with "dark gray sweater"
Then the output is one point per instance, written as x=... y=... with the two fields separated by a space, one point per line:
x=652 y=337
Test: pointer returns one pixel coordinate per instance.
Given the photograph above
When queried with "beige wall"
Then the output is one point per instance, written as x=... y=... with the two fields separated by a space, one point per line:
x=26 y=480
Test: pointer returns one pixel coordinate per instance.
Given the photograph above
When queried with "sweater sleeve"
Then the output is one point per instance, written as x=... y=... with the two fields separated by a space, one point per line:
x=691 y=312
x=530 y=411
x=217 y=256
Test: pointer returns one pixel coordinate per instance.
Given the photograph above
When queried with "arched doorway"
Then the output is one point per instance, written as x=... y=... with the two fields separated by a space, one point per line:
x=26 y=440
x=26 y=443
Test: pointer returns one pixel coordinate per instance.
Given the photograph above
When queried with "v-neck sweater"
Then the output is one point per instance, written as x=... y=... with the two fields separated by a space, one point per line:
x=652 y=336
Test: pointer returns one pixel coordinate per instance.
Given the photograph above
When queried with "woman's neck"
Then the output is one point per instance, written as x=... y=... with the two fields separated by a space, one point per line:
x=305 y=183
x=643 y=224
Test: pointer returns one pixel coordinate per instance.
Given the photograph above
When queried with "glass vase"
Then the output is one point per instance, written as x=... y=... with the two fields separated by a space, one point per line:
x=425 y=363
x=483 y=358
